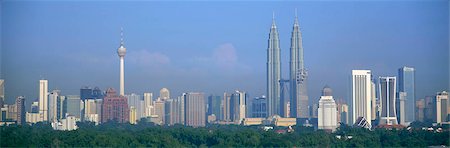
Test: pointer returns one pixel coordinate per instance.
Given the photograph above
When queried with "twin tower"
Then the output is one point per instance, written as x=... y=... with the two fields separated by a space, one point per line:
x=277 y=105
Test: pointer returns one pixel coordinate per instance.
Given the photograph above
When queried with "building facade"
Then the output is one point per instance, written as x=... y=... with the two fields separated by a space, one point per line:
x=327 y=114
x=115 y=107
x=387 y=90
x=361 y=95
x=441 y=107
x=407 y=84
x=21 y=116
x=298 y=75
x=195 y=111
x=43 y=100
x=273 y=71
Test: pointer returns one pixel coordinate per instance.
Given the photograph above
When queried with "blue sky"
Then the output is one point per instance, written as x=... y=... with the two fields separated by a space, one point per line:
x=218 y=46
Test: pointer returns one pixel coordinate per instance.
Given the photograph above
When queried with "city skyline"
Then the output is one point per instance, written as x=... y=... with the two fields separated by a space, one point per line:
x=153 y=62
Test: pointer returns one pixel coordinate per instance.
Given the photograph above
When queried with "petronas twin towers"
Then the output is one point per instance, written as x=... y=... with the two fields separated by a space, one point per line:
x=297 y=76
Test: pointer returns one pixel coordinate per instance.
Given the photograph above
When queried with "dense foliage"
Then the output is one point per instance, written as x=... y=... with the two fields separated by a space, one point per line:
x=149 y=135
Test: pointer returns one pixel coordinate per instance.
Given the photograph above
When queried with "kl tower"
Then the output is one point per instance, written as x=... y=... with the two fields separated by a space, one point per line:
x=121 y=52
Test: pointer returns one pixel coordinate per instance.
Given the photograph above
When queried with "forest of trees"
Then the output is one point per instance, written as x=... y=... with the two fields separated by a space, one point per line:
x=149 y=135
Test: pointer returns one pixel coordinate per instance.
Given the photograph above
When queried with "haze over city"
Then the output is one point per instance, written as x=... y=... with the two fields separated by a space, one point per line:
x=215 y=47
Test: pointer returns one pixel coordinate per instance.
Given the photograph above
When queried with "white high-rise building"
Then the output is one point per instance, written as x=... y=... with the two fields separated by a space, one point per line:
x=441 y=110
x=327 y=118
x=121 y=51
x=401 y=108
x=135 y=100
x=53 y=105
x=361 y=95
x=242 y=98
x=387 y=90
x=43 y=100
x=148 y=104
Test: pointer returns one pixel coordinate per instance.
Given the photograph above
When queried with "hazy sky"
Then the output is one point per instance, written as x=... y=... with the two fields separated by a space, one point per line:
x=215 y=47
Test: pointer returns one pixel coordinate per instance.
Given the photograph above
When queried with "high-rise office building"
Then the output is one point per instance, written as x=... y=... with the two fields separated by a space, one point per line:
x=121 y=51
x=20 y=104
x=361 y=95
x=74 y=105
x=135 y=100
x=92 y=111
x=133 y=115
x=214 y=106
x=373 y=102
x=85 y=93
x=430 y=108
x=2 y=91
x=327 y=113
x=259 y=107
x=400 y=104
x=61 y=107
x=273 y=71
x=43 y=100
x=148 y=104
x=237 y=106
x=441 y=109
x=53 y=105
x=160 y=111
x=195 y=111
x=164 y=94
x=181 y=107
x=226 y=108
x=344 y=114
x=387 y=87
x=407 y=84
x=420 y=108
x=298 y=75
x=97 y=93
x=115 y=107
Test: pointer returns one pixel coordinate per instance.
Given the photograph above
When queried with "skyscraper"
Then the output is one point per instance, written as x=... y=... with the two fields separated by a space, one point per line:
x=74 y=105
x=226 y=109
x=164 y=94
x=406 y=83
x=2 y=91
x=441 y=107
x=387 y=92
x=273 y=70
x=43 y=100
x=121 y=52
x=115 y=107
x=298 y=75
x=361 y=95
x=237 y=106
x=195 y=112
x=148 y=104
x=85 y=93
x=20 y=104
x=259 y=107
x=214 y=106
x=401 y=108
x=53 y=105
x=327 y=117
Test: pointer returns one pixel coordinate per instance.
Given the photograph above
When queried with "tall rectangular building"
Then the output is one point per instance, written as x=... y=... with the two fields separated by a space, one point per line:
x=387 y=87
x=74 y=104
x=20 y=104
x=407 y=84
x=53 y=105
x=115 y=107
x=2 y=91
x=214 y=106
x=226 y=109
x=148 y=104
x=195 y=111
x=361 y=95
x=43 y=100
x=160 y=111
x=441 y=109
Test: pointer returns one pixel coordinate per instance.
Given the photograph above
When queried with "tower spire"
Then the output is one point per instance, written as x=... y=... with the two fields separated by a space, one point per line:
x=121 y=36
x=273 y=20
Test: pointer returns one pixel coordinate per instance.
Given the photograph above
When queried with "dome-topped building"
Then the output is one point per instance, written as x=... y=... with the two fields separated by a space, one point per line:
x=327 y=91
